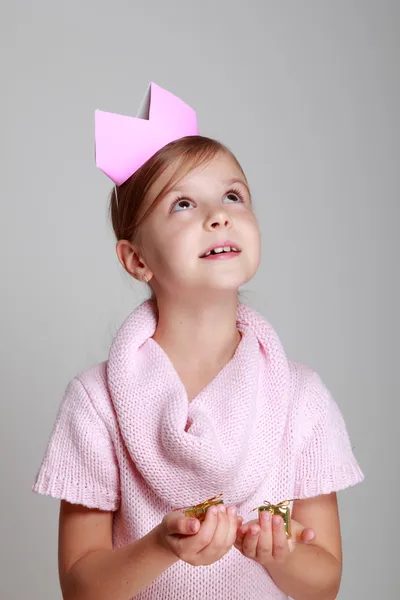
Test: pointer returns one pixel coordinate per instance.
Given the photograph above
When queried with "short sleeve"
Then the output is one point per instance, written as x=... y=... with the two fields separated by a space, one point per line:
x=79 y=464
x=325 y=461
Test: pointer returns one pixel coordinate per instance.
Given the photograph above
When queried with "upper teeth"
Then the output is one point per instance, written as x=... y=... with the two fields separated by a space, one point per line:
x=221 y=249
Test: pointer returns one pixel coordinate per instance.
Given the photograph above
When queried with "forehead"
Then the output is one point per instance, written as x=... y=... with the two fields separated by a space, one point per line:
x=221 y=169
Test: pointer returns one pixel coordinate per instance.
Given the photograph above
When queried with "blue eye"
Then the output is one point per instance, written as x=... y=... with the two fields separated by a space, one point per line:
x=234 y=197
x=181 y=204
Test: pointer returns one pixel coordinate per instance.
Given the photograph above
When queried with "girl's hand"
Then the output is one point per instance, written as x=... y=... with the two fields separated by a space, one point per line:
x=264 y=540
x=200 y=543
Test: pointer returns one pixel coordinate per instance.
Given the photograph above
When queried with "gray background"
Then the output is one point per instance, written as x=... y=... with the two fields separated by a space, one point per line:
x=307 y=95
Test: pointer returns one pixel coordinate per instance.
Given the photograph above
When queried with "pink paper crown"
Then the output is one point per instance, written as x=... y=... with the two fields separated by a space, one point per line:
x=123 y=144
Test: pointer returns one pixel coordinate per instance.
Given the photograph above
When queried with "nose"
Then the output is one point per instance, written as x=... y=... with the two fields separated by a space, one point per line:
x=218 y=220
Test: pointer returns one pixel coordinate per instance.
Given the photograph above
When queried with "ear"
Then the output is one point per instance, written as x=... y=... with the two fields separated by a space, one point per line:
x=131 y=259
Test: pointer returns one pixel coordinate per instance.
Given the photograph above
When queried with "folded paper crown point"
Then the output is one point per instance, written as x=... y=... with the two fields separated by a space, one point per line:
x=124 y=143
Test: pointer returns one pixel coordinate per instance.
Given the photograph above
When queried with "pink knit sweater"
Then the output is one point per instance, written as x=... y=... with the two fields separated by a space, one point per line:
x=127 y=440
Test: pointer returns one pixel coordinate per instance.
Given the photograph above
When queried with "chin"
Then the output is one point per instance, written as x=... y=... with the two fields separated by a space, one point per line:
x=228 y=283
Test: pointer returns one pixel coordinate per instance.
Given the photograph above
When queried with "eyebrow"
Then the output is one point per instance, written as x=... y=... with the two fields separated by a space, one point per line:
x=228 y=182
x=237 y=180
x=234 y=180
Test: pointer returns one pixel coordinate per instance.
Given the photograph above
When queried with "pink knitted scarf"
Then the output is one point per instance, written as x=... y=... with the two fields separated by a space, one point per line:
x=211 y=444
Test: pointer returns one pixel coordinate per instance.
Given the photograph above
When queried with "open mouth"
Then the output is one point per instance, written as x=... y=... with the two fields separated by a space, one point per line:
x=220 y=250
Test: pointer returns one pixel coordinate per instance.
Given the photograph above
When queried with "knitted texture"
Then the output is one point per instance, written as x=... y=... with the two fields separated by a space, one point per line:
x=126 y=439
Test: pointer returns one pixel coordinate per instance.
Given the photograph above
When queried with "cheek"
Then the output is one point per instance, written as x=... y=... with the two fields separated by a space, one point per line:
x=172 y=253
x=257 y=242
x=254 y=237
x=156 y=246
x=155 y=250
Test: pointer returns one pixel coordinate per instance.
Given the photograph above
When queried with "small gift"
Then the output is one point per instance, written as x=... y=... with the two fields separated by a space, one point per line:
x=198 y=511
x=282 y=509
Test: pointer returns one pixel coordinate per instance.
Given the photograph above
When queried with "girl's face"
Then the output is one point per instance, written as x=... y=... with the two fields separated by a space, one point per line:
x=208 y=208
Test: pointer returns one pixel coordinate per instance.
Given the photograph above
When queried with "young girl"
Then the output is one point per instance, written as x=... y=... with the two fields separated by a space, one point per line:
x=197 y=398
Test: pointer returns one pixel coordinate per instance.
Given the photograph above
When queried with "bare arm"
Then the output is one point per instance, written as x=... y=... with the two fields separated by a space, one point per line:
x=313 y=571
x=90 y=569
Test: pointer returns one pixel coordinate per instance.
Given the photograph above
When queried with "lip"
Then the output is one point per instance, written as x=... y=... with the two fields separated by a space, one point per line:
x=221 y=245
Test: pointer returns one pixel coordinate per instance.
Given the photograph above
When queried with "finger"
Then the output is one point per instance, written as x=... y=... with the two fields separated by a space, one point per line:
x=178 y=524
x=249 y=546
x=280 y=546
x=208 y=527
x=308 y=536
x=265 y=543
x=240 y=533
x=301 y=534
x=242 y=530
x=219 y=537
x=184 y=544
x=233 y=520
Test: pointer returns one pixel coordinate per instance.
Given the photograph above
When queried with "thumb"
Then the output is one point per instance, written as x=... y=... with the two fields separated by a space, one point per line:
x=300 y=534
x=176 y=523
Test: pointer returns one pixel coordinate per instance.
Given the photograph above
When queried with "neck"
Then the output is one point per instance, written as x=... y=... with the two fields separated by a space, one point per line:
x=199 y=332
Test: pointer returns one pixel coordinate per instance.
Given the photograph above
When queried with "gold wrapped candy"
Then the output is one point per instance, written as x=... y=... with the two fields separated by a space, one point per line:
x=282 y=509
x=198 y=511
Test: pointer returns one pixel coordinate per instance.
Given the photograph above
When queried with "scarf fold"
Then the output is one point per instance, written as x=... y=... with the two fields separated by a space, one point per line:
x=190 y=451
